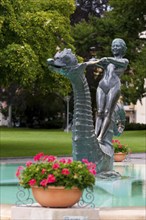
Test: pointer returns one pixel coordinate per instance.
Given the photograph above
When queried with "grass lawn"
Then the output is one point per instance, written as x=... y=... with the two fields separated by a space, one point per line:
x=18 y=142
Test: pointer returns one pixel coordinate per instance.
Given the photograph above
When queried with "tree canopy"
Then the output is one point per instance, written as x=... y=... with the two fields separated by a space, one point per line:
x=30 y=31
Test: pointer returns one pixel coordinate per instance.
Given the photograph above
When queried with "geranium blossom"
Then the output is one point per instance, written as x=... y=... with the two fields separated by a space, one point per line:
x=28 y=163
x=32 y=182
x=62 y=160
x=51 y=178
x=91 y=165
x=69 y=161
x=65 y=171
x=51 y=158
x=18 y=172
x=43 y=171
x=85 y=161
x=44 y=182
x=37 y=157
x=93 y=171
x=120 y=146
x=55 y=166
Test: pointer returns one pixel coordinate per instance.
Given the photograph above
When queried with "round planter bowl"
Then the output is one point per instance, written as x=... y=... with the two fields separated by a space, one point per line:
x=56 y=197
x=119 y=157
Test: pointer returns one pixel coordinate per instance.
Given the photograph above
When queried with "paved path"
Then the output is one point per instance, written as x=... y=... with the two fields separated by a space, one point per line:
x=138 y=158
x=134 y=158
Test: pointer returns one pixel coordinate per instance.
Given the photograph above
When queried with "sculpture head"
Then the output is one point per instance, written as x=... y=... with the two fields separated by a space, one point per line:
x=63 y=62
x=63 y=59
x=118 y=47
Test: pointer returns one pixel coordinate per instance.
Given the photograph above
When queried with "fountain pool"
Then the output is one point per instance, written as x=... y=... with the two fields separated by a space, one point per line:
x=129 y=191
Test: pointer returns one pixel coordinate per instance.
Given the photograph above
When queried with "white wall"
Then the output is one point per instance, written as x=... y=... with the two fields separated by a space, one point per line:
x=141 y=111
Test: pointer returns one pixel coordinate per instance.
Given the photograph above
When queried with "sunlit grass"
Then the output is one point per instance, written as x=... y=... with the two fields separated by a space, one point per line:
x=27 y=142
x=18 y=142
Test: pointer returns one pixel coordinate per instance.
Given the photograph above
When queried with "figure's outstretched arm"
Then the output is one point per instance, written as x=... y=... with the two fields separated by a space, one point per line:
x=98 y=62
x=118 y=62
x=92 y=62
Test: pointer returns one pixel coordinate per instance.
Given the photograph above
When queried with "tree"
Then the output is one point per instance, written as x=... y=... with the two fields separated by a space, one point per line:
x=30 y=31
x=129 y=19
x=133 y=83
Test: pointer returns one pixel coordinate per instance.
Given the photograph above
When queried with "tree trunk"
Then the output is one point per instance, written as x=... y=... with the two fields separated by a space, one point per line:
x=10 y=116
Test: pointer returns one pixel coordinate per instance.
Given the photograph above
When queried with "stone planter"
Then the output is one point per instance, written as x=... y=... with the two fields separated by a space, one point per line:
x=56 y=197
x=119 y=157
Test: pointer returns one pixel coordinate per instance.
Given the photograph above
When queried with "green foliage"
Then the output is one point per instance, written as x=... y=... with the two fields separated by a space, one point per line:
x=65 y=8
x=133 y=81
x=48 y=171
x=30 y=31
x=129 y=16
x=20 y=64
x=38 y=110
x=134 y=126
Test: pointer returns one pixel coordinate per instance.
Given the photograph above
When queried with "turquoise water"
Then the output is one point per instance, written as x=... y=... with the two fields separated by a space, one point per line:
x=126 y=192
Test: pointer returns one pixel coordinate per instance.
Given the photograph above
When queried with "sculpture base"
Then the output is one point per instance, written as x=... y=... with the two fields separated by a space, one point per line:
x=36 y=212
x=109 y=175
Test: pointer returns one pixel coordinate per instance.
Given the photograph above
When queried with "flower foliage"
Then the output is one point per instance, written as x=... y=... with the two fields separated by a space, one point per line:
x=47 y=170
x=118 y=147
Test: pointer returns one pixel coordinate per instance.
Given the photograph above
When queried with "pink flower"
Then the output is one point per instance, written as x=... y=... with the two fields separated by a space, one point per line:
x=69 y=161
x=55 y=166
x=91 y=166
x=51 y=178
x=93 y=171
x=45 y=157
x=28 y=163
x=18 y=172
x=32 y=182
x=85 y=161
x=44 y=182
x=62 y=160
x=65 y=171
x=117 y=141
x=37 y=157
x=51 y=158
x=43 y=171
x=120 y=146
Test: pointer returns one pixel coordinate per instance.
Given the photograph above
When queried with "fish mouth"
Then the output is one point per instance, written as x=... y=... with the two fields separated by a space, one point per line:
x=56 y=63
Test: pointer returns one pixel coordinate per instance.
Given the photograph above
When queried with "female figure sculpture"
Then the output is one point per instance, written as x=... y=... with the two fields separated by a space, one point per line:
x=108 y=91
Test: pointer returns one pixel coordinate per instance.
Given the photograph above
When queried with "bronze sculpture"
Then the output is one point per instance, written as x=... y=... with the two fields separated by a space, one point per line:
x=84 y=138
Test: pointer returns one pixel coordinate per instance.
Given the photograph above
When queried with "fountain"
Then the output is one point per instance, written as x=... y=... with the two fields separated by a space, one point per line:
x=93 y=144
